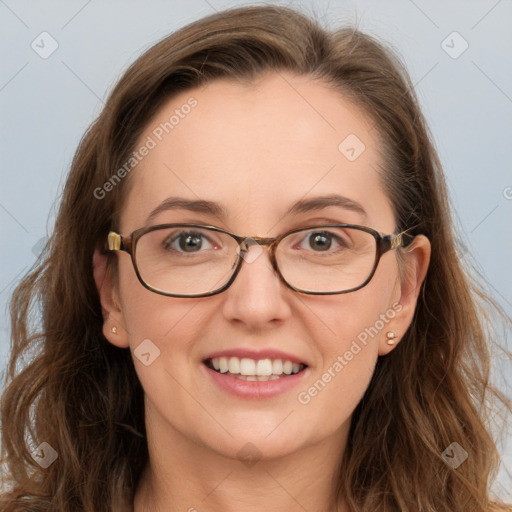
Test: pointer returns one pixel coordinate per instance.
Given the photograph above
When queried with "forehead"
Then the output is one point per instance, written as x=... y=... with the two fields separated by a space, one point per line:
x=256 y=149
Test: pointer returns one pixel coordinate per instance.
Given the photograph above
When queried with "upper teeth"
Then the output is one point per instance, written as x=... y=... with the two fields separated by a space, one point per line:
x=261 y=367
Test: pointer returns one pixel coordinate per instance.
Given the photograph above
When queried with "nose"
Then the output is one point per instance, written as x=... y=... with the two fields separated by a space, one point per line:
x=257 y=297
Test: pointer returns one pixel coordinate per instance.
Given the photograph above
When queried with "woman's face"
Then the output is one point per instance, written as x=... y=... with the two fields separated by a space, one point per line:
x=255 y=151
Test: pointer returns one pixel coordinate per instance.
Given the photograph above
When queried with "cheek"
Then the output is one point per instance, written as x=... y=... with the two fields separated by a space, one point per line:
x=353 y=325
x=146 y=314
x=163 y=334
x=340 y=379
x=160 y=325
x=329 y=399
x=167 y=321
x=359 y=317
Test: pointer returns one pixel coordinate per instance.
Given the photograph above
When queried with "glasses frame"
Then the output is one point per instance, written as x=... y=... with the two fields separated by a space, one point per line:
x=384 y=243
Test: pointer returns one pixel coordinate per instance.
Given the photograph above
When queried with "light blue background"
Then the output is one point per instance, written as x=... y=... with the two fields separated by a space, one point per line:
x=46 y=105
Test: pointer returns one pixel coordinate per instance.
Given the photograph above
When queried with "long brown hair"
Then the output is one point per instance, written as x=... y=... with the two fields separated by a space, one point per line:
x=68 y=387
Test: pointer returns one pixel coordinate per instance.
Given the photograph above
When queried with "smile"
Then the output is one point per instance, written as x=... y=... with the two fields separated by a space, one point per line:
x=254 y=369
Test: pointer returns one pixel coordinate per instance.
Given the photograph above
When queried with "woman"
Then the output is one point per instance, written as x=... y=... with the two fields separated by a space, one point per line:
x=252 y=299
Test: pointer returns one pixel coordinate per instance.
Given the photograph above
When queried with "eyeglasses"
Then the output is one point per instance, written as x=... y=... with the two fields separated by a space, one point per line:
x=193 y=260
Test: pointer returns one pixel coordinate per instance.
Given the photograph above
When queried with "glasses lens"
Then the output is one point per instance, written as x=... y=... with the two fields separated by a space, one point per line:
x=185 y=260
x=327 y=259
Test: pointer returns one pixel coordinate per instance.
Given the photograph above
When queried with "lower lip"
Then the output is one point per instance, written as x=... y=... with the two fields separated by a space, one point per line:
x=254 y=389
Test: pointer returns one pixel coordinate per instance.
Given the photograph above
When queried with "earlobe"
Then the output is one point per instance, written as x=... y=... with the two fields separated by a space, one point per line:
x=391 y=338
x=115 y=332
x=113 y=319
x=388 y=343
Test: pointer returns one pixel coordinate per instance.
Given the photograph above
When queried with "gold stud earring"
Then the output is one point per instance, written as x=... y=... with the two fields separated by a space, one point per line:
x=390 y=338
x=113 y=330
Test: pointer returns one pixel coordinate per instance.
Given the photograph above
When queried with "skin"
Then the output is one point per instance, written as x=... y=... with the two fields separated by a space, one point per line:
x=255 y=149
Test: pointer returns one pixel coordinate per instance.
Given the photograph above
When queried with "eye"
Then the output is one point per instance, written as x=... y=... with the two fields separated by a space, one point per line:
x=188 y=242
x=321 y=241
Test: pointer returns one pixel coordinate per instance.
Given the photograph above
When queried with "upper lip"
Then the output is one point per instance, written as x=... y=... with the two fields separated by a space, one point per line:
x=256 y=354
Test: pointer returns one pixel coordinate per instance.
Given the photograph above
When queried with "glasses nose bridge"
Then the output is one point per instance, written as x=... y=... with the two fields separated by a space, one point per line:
x=247 y=242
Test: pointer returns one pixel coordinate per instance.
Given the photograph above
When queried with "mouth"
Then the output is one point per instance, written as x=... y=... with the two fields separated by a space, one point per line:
x=254 y=369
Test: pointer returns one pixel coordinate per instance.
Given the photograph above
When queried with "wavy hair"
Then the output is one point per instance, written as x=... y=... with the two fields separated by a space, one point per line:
x=67 y=386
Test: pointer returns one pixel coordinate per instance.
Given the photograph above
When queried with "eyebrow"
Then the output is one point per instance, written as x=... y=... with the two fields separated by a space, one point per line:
x=300 y=206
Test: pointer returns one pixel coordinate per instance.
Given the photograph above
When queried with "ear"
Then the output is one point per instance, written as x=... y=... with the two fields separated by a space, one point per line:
x=113 y=319
x=416 y=260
